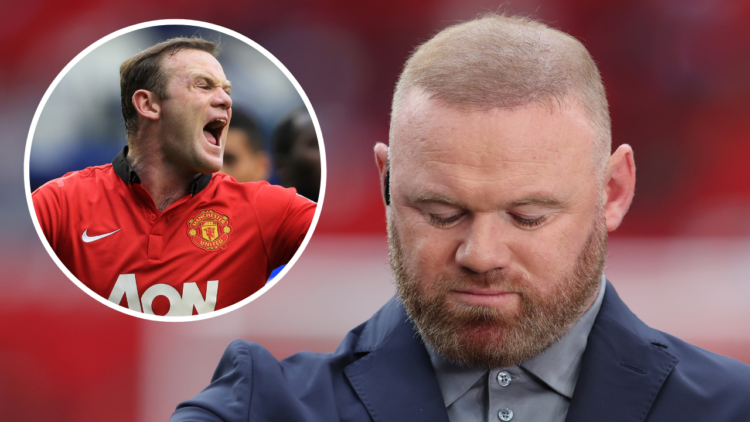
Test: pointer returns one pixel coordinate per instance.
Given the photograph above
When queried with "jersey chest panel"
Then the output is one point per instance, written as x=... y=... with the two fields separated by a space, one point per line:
x=159 y=262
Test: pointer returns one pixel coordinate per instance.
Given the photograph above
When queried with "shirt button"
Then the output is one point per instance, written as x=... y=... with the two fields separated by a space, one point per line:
x=505 y=414
x=503 y=378
x=152 y=217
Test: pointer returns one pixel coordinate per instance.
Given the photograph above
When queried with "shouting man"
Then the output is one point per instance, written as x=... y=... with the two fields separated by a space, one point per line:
x=159 y=221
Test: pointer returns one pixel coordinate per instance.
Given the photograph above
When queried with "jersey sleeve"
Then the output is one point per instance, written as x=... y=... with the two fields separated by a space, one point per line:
x=47 y=201
x=285 y=218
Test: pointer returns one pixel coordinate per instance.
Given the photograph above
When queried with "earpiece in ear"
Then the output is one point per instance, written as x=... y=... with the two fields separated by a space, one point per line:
x=387 y=189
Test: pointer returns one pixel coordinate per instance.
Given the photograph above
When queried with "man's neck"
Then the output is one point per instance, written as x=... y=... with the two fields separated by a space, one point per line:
x=165 y=182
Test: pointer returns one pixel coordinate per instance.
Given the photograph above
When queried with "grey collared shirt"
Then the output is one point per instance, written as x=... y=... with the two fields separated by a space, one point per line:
x=539 y=389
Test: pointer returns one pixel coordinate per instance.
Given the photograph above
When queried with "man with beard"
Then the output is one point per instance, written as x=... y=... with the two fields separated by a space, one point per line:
x=158 y=231
x=500 y=190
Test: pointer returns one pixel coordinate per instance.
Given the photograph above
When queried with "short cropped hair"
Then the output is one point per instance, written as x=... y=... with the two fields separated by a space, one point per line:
x=499 y=61
x=143 y=71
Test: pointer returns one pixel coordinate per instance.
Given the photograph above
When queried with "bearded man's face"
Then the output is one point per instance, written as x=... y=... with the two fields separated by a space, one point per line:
x=496 y=226
x=493 y=337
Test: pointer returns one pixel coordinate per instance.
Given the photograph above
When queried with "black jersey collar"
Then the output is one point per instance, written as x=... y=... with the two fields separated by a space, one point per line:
x=129 y=176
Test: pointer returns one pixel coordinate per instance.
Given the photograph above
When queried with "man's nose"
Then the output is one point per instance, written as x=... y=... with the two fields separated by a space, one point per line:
x=485 y=245
x=222 y=99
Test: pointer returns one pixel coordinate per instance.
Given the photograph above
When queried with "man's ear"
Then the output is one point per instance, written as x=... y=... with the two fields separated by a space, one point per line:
x=381 y=160
x=146 y=104
x=619 y=186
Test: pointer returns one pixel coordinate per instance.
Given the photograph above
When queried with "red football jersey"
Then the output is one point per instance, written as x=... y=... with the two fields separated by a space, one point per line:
x=208 y=250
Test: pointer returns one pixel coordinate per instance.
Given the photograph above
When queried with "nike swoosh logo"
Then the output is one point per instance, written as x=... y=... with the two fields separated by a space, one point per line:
x=90 y=239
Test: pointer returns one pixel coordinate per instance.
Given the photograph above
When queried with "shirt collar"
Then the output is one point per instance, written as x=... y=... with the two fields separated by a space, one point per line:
x=454 y=380
x=129 y=176
x=558 y=366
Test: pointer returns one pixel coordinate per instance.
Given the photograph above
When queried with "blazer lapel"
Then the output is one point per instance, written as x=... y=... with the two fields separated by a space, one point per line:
x=622 y=369
x=395 y=379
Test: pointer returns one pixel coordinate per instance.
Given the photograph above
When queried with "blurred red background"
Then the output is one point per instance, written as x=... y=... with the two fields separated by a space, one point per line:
x=676 y=75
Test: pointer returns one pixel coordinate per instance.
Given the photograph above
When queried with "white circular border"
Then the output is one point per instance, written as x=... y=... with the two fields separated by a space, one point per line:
x=291 y=79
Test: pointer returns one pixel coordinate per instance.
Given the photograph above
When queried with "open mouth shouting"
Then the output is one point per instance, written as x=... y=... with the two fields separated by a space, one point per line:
x=213 y=130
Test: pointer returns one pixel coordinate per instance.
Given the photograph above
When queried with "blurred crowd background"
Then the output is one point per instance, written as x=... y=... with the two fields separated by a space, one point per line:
x=676 y=73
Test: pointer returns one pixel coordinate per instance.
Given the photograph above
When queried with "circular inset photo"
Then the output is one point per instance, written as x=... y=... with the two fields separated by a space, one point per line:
x=175 y=170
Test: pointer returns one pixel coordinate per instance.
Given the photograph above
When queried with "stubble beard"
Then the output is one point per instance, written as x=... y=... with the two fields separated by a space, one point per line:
x=481 y=336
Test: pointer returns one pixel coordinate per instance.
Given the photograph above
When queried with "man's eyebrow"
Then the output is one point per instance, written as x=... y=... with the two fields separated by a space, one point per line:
x=538 y=199
x=436 y=197
x=227 y=85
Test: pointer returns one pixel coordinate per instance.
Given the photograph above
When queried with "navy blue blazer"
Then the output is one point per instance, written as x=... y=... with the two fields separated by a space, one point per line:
x=382 y=372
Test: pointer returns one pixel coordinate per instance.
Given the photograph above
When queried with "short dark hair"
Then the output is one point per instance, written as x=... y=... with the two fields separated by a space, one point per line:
x=143 y=71
x=243 y=121
x=288 y=130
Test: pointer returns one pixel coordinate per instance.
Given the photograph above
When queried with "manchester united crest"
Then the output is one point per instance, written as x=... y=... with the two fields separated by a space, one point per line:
x=209 y=230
